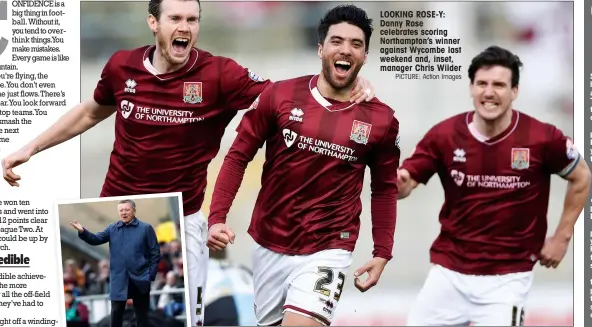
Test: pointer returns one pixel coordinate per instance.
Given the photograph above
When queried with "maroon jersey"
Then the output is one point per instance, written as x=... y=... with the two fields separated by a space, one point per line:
x=316 y=153
x=494 y=217
x=169 y=126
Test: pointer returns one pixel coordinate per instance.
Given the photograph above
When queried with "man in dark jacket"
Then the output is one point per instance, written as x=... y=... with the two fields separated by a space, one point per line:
x=134 y=254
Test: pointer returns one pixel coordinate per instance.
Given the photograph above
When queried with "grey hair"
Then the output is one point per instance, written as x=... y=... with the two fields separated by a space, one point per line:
x=130 y=202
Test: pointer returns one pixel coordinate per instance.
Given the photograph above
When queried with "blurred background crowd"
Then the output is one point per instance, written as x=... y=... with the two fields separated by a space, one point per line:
x=86 y=268
x=277 y=40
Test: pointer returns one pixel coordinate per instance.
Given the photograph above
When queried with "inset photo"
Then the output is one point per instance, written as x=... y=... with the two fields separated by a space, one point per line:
x=122 y=261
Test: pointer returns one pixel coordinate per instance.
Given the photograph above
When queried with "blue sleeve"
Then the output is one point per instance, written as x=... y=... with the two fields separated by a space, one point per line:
x=154 y=249
x=95 y=239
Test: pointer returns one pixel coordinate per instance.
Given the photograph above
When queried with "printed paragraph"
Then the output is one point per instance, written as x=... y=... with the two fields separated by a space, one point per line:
x=39 y=60
x=26 y=92
x=37 y=35
x=23 y=96
x=411 y=49
x=22 y=222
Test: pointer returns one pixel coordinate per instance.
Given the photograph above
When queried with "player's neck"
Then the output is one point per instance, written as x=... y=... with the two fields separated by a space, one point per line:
x=164 y=66
x=493 y=128
x=328 y=91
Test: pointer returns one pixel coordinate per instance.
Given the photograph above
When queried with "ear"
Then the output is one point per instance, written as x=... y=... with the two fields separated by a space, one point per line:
x=471 y=87
x=365 y=58
x=152 y=23
x=320 y=51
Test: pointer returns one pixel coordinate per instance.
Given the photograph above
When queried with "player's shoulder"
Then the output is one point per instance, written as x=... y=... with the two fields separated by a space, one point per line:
x=206 y=57
x=227 y=65
x=378 y=106
x=530 y=120
x=382 y=113
x=543 y=129
x=447 y=126
x=290 y=83
x=287 y=86
x=126 y=56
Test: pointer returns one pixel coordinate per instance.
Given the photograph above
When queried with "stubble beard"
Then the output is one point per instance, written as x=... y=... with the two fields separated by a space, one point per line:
x=164 y=50
x=337 y=86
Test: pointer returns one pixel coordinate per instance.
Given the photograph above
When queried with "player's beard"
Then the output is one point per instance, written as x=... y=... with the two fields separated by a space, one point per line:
x=338 y=84
x=166 y=49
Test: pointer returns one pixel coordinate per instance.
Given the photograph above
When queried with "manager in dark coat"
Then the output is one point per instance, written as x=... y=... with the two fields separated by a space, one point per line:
x=134 y=254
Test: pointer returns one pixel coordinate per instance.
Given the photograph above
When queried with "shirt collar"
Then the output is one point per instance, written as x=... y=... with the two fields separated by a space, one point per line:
x=134 y=222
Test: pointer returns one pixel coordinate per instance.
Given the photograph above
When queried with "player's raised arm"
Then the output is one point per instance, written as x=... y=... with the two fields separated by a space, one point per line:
x=420 y=167
x=75 y=122
x=253 y=130
x=563 y=159
x=79 y=119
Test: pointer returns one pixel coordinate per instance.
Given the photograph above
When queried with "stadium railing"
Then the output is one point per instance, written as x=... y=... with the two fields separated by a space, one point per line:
x=99 y=305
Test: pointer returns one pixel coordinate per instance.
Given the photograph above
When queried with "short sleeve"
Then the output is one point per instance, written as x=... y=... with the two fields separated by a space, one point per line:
x=240 y=86
x=104 y=93
x=424 y=161
x=258 y=123
x=561 y=156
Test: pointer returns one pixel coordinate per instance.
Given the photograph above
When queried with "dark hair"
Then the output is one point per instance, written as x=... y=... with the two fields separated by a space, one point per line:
x=346 y=14
x=496 y=56
x=154 y=8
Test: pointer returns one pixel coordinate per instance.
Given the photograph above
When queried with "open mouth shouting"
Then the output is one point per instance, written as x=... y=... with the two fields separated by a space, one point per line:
x=180 y=45
x=342 y=68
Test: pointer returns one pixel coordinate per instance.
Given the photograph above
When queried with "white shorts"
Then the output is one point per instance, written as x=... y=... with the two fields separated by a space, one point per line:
x=309 y=285
x=449 y=298
x=196 y=236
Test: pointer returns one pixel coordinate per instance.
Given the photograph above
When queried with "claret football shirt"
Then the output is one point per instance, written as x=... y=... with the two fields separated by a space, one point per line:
x=317 y=151
x=494 y=217
x=169 y=126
